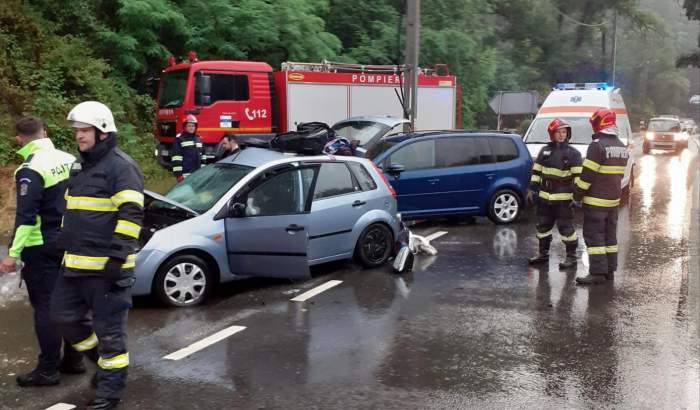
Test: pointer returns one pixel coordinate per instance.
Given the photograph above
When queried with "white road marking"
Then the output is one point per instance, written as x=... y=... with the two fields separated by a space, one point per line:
x=61 y=406
x=315 y=291
x=207 y=341
x=434 y=236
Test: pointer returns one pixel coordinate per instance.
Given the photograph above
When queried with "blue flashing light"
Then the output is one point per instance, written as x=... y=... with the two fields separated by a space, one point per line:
x=581 y=86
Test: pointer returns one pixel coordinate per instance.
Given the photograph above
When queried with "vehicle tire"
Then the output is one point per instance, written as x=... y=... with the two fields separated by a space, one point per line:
x=374 y=246
x=645 y=148
x=183 y=281
x=504 y=207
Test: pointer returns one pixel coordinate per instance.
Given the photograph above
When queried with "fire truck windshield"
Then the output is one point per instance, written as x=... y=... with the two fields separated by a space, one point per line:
x=172 y=89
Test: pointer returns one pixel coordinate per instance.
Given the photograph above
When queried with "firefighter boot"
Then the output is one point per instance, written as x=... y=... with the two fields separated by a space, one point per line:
x=38 y=377
x=568 y=263
x=610 y=275
x=101 y=403
x=72 y=362
x=540 y=258
x=590 y=279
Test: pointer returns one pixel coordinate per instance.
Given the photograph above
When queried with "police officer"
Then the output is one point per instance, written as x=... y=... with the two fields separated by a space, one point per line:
x=187 y=152
x=599 y=188
x=101 y=226
x=40 y=183
x=552 y=183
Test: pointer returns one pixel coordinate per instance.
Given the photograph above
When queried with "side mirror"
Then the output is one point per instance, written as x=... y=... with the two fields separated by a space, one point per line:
x=395 y=170
x=236 y=210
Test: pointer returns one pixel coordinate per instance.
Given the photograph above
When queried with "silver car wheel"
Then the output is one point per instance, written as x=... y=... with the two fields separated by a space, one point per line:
x=505 y=207
x=185 y=284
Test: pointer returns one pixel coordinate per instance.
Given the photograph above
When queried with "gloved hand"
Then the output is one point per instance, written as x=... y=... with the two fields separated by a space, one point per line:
x=179 y=178
x=113 y=270
x=575 y=204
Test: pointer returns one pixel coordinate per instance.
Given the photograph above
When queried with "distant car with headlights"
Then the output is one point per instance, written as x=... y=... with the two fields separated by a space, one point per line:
x=263 y=213
x=665 y=133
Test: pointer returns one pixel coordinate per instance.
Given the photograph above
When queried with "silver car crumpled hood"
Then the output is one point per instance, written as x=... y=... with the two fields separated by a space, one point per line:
x=159 y=197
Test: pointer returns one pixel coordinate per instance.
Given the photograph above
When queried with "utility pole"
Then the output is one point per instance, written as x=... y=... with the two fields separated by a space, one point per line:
x=412 y=50
x=614 y=48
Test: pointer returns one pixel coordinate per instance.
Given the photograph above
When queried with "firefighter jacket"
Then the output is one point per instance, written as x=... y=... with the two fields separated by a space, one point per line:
x=187 y=154
x=600 y=183
x=554 y=171
x=41 y=182
x=104 y=211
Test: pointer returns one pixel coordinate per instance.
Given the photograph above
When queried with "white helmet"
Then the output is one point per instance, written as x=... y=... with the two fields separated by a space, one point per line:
x=92 y=114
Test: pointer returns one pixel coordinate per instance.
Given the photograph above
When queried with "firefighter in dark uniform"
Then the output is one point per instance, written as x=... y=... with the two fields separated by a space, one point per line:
x=187 y=151
x=599 y=189
x=40 y=182
x=101 y=226
x=552 y=184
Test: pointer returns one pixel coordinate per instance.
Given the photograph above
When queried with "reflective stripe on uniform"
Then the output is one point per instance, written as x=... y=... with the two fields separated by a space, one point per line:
x=199 y=145
x=576 y=170
x=86 y=344
x=582 y=184
x=93 y=262
x=592 y=165
x=127 y=228
x=612 y=169
x=569 y=238
x=607 y=203
x=187 y=144
x=537 y=167
x=596 y=250
x=611 y=249
x=88 y=203
x=535 y=178
x=541 y=235
x=127 y=195
x=176 y=169
x=564 y=196
x=112 y=363
x=176 y=158
x=556 y=172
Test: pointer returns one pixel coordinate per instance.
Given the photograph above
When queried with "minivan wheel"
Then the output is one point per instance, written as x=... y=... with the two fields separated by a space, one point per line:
x=504 y=207
x=185 y=280
x=374 y=246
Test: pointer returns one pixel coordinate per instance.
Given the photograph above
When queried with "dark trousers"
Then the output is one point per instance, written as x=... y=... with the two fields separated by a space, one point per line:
x=561 y=214
x=91 y=313
x=600 y=234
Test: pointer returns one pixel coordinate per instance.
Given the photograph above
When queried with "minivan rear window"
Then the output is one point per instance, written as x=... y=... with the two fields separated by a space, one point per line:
x=504 y=149
x=460 y=151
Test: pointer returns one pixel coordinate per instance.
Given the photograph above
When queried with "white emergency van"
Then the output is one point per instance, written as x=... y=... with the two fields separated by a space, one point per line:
x=574 y=103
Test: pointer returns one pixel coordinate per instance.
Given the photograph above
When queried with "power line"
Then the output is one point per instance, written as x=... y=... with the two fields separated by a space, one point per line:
x=580 y=23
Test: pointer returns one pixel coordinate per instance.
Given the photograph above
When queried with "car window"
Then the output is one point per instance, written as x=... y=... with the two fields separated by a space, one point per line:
x=504 y=149
x=226 y=87
x=363 y=131
x=334 y=179
x=460 y=151
x=282 y=194
x=664 y=125
x=417 y=155
x=362 y=176
x=204 y=187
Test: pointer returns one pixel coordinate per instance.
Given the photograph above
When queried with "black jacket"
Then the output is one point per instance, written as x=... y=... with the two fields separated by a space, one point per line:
x=554 y=171
x=600 y=185
x=104 y=211
x=187 y=154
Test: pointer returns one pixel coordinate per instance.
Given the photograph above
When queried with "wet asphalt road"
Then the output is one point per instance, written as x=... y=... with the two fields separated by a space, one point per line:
x=473 y=327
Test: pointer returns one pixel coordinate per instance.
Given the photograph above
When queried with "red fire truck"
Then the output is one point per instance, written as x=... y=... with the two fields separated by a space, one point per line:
x=245 y=97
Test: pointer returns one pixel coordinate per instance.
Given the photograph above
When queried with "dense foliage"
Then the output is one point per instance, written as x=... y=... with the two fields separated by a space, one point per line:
x=59 y=52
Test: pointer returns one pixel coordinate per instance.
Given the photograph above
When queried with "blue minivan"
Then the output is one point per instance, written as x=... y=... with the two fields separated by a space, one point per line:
x=443 y=173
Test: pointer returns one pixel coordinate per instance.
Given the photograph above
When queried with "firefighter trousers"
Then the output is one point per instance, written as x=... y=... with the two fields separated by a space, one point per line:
x=91 y=314
x=600 y=235
x=561 y=214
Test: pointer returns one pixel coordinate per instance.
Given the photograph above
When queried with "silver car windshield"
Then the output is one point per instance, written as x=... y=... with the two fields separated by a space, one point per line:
x=581 y=130
x=363 y=131
x=201 y=190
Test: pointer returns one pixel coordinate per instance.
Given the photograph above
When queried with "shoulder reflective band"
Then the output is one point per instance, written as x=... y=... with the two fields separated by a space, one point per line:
x=596 y=250
x=582 y=184
x=87 y=203
x=127 y=195
x=541 y=235
x=592 y=165
x=607 y=203
x=612 y=169
x=556 y=172
x=86 y=344
x=176 y=158
x=93 y=262
x=535 y=178
x=537 y=167
x=576 y=170
x=564 y=196
x=570 y=238
x=112 y=363
x=611 y=249
x=127 y=228
x=187 y=144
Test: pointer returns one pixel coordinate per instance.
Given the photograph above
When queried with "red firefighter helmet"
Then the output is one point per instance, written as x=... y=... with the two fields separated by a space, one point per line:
x=190 y=118
x=602 y=119
x=556 y=125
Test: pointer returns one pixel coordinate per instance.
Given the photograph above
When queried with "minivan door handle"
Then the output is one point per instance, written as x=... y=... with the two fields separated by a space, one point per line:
x=433 y=181
x=358 y=203
x=294 y=228
x=490 y=175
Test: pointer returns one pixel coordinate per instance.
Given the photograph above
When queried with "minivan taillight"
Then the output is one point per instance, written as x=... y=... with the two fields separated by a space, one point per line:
x=391 y=189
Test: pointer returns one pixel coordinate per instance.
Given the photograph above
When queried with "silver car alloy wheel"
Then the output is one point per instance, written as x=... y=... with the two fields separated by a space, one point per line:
x=184 y=284
x=505 y=207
